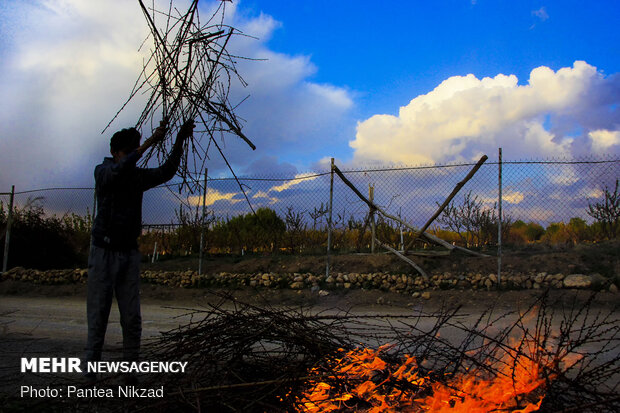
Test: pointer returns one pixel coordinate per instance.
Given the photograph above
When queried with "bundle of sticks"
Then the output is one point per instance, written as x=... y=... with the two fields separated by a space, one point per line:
x=556 y=354
x=188 y=75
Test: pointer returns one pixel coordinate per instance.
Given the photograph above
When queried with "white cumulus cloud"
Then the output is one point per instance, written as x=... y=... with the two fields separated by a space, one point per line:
x=602 y=139
x=68 y=65
x=465 y=116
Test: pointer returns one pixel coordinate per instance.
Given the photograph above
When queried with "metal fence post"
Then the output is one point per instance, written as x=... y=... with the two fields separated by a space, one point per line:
x=9 y=222
x=499 y=225
x=329 y=220
x=202 y=222
x=371 y=197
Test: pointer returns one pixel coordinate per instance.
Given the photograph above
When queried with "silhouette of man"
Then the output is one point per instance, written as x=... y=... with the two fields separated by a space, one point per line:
x=114 y=260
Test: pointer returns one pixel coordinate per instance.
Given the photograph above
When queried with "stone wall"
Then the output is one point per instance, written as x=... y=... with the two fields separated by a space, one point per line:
x=402 y=283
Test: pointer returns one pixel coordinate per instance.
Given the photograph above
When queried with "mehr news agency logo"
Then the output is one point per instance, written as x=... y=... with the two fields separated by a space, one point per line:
x=74 y=365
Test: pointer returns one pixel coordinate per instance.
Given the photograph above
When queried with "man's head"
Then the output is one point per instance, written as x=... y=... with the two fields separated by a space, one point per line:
x=123 y=142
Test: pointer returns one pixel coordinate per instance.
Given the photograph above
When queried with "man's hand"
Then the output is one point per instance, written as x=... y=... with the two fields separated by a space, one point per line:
x=187 y=130
x=159 y=133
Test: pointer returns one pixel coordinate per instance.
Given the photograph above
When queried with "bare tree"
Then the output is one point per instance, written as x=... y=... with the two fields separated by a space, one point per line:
x=607 y=212
x=317 y=214
x=472 y=221
x=295 y=227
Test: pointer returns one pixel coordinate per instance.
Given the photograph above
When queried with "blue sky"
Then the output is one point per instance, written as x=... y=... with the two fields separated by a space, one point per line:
x=369 y=83
x=390 y=52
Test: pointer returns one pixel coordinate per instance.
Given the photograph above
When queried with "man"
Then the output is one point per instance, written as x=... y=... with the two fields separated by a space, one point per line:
x=114 y=260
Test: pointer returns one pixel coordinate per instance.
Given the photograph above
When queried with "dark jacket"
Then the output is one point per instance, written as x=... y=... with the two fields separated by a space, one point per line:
x=119 y=188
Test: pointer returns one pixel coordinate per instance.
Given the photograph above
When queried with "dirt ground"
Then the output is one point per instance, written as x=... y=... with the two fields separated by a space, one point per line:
x=159 y=295
x=603 y=258
x=50 y=320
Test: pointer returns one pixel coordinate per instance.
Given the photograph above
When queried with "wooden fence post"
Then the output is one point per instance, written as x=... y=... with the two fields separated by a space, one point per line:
x=9 y=222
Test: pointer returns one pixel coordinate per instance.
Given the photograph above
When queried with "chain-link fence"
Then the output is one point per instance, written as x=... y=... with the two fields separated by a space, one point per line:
x=541 y=200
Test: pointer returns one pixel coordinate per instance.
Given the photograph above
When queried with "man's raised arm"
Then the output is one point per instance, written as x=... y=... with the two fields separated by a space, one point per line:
x=157 y=176
x=158 y=135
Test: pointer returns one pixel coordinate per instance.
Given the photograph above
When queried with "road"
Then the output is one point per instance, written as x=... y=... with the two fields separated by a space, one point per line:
x=53 y=326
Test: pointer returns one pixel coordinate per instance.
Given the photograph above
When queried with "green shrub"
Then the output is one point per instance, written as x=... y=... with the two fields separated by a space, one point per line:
x=46 y=242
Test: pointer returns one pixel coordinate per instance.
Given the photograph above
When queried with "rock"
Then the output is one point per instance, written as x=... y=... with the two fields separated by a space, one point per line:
x=415 y=295
x=598 y=281
x=15 y=272
x=577 y=281
x=613 y=288
x=540 y=277
x=493 y=278
x=426 y=295
x=463 y=284
x=380 y=301
x=330 y=280
x=297 y=285
x=488 y=283
x=347 y=285
x=314 y=289
x=323 y=293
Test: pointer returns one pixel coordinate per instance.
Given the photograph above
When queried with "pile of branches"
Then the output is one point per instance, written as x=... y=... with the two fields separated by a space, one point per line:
x=188 y=75
x=573 y=346
x=256 y=358
x=246 y=357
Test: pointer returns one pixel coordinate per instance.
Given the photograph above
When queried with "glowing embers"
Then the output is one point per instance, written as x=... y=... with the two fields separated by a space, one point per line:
x=363 y=380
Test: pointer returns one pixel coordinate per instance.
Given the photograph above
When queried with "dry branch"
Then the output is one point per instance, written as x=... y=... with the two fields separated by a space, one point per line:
x=402 y=257
x=189 y=75
x=373 y=207
x=251 y=358
x=455 y=191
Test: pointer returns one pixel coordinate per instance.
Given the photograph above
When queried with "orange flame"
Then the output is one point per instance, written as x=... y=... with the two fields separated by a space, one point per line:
x=367 y=383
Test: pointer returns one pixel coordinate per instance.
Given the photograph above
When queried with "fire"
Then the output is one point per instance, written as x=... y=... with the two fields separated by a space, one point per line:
x=361 y=380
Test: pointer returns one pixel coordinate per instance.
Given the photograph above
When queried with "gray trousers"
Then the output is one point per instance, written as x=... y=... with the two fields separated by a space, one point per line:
x=113 y=273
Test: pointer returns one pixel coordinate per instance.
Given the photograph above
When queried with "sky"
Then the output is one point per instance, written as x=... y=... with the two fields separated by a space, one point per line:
x=368 y=83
